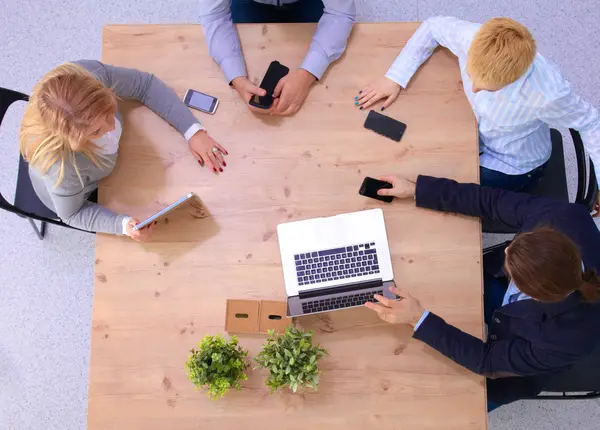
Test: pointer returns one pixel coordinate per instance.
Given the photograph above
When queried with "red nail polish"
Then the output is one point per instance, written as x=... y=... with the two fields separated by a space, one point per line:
x=224 y=164
x=214 y=170
x=220 y=170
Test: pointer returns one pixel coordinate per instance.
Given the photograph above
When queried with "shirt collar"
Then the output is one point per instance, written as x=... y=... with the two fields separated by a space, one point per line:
x=512 y=91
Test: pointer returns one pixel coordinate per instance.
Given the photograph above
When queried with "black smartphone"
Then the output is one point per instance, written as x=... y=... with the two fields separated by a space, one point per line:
x=384 y=125
x=275 y=72
x=370 y=187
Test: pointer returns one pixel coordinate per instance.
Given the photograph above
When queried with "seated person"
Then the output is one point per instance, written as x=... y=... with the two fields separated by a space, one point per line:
x=335 y=18
x=515 y=94
x=70 y=137
x=543 y=311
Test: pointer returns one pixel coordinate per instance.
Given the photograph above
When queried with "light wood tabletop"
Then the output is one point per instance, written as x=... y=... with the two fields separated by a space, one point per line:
x=153 y=302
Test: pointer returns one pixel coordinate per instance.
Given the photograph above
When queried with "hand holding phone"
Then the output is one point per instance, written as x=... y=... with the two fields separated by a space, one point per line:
x=370 y=187
x=275 y=72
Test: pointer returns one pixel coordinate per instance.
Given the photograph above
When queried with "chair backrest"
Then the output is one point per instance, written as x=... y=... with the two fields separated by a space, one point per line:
x=582 y=197
x=7 y=98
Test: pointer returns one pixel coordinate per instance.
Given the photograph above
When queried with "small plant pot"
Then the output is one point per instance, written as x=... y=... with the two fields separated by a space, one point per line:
x=292 y=360
x=217 y=365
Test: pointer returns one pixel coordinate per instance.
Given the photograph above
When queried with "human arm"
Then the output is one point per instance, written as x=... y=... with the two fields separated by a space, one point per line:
x=568 y=110
x=492 y=359
x=328 y=44
x=514 y=357
x=510 y=208
x=162 y=100
x=224 y=47
x=448 y=32
x=222 y=38
x=437 y=31
x=73 y=208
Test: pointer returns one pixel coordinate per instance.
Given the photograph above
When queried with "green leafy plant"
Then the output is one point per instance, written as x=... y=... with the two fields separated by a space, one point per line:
x=292 y=360
x=218 y=365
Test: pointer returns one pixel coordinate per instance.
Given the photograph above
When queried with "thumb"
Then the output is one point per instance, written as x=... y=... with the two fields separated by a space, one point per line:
x=257 y=90
x=400 y=292
x=278 y=88
x=385 y=191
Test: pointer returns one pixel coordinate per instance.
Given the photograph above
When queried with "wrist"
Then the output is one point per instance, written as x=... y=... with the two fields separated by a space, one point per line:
x=307 y=77
x=237 y=81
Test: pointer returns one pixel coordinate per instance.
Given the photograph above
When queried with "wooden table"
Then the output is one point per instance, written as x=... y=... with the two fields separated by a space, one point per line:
x=154 y=301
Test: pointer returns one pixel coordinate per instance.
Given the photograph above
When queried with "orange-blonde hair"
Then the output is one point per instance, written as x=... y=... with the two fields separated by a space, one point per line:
x=500 y=53
x=62 y=106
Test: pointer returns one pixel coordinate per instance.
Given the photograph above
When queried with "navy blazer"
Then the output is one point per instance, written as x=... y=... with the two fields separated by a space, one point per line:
x=527 y=337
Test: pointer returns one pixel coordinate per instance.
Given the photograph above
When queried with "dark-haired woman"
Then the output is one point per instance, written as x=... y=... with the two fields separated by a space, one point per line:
x=541 y=298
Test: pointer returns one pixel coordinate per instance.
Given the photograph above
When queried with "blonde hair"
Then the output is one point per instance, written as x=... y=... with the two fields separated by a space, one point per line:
x=500 y=53
x=60 y=110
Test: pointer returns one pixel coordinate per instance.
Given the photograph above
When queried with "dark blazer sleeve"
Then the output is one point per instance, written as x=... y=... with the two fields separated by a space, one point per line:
x=513 y=209
x=515 y=357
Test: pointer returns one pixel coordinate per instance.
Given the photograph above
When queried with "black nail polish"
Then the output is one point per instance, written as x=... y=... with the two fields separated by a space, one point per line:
x=360 y=92
x=382 y=108
x=361 y=108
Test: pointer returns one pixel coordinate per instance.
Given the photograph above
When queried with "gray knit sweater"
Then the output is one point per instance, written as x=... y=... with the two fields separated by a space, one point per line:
x=69 y=199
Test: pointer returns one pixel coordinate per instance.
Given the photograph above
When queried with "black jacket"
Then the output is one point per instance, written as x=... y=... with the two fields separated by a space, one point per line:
x=527 y=337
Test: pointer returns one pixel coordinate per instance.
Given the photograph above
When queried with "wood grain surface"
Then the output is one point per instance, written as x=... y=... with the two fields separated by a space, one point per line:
x=154 y=301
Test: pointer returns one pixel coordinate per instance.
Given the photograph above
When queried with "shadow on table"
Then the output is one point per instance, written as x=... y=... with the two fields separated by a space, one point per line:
x=182 y=230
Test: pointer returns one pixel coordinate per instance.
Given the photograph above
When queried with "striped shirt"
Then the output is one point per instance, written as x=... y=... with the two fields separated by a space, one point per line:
x=514 y=122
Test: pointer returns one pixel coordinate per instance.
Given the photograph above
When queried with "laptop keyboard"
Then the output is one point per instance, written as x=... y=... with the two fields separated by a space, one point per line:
x=339 y=302
x=337 y=263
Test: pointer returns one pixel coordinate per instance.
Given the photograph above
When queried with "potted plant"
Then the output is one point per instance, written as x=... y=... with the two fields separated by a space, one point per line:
x=291 y=359
x=217 y=365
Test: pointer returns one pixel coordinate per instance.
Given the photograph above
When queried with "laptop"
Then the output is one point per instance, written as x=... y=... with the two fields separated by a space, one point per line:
x=335 y=262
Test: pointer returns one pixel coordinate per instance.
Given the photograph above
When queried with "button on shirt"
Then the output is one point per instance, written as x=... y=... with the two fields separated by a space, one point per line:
x=327 y=45
x=514 y=121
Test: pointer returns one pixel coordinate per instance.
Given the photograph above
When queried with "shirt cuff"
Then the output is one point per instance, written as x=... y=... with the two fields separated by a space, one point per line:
x=233 y=67
x=125 y=221
x=315 y=64
x=195 y=128
x=425 y=313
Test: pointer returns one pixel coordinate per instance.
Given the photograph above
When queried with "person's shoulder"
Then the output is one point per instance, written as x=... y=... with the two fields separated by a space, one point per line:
x=70 y=180
x=545 y=83
x=462 y=31
x=95 y=67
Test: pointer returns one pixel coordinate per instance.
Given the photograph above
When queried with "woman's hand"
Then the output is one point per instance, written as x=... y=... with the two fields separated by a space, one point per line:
x=383 y=88
x=247 y=90
x=402 y=188
x=407 y=310
x=207 y=151
x=597 y=207
x=141 y=235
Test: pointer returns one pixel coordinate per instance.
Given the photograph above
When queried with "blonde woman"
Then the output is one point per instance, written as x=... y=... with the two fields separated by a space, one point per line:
x=70 y=137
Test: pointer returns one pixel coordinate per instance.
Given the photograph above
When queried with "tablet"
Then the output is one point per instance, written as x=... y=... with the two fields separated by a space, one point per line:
x=163 y=212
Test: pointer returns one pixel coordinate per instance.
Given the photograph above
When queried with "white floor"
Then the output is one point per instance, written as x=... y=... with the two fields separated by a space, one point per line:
x=46 y=287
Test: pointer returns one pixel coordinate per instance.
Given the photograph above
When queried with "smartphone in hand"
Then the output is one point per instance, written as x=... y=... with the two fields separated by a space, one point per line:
x=275 y=72
x=370 y=187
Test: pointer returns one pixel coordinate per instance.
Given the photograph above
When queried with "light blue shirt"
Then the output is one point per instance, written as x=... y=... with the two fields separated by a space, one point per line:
x=514 y=121
x=328 y=44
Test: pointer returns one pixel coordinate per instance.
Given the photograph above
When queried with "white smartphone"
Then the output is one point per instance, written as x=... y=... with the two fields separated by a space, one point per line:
x=200 y=101
x=163 y=212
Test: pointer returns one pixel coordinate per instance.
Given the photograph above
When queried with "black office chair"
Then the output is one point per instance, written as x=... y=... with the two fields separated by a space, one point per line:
x=26 y=204
x=553 y=182
x=582 y=381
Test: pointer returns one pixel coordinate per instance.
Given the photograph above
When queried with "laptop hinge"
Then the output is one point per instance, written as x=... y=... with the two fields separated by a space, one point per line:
x=337 y=289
